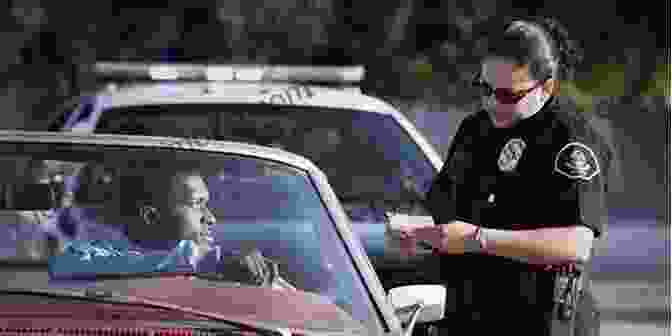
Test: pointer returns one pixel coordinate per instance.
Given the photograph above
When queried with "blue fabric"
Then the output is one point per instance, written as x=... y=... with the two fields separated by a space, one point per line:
x=89 y=258
x=84 y=224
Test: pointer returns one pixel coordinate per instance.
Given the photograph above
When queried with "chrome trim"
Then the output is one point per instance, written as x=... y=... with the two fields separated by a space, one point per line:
x=207 y=145
x=419 y=307
x=359 y=256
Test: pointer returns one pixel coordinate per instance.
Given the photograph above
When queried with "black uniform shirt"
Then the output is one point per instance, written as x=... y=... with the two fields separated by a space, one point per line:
x=549 y=170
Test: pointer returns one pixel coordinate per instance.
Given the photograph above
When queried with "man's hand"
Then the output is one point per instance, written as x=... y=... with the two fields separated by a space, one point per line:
x=446 y=238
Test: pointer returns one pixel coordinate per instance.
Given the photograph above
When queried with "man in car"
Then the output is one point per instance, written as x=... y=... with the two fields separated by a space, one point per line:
x=166 y=224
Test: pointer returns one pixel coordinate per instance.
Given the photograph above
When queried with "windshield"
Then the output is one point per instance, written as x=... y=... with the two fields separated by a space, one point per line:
x=361 y=152
x=93 y=212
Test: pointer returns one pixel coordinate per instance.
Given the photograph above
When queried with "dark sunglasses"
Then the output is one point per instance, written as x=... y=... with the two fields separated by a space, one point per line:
x=504 y=96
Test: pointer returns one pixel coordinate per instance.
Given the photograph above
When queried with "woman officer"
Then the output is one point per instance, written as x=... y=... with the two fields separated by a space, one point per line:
x=521 y=193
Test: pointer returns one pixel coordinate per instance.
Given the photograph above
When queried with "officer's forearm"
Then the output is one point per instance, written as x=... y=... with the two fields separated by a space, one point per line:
x=541 y=246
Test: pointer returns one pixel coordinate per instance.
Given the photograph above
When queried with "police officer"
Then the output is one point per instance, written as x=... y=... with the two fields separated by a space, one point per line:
x=521 y=196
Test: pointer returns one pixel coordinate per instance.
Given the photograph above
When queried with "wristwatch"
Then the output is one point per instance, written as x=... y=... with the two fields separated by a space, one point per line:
x=474 y=242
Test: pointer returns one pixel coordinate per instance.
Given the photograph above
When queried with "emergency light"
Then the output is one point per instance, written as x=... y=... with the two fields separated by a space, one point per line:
x=279 y=73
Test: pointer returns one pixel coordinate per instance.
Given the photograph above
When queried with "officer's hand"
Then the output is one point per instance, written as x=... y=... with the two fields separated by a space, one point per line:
x=407 y=244
x=447 y=238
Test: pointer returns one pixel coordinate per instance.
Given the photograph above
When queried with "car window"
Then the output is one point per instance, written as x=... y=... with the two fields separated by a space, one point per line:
x=92 y=194
x=364 y=154
x=151 y=120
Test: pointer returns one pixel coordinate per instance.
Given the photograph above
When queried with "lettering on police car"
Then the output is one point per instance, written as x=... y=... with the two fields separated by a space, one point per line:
x=577 y=161
x=511 y=154
x=290 y=95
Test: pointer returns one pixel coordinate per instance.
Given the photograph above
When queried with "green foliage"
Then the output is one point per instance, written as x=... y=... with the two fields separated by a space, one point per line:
x=423 y=71
x=660 y=84
x=610 y=80
x=603 y=80
x=584 y=100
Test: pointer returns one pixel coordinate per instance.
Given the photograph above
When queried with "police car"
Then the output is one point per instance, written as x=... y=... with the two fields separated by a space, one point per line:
x=379 y=164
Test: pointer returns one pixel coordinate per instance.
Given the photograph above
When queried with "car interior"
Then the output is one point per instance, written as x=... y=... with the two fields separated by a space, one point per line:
x=26 y=236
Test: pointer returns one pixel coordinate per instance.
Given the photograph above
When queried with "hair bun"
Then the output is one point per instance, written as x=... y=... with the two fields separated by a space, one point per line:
x=569 y=53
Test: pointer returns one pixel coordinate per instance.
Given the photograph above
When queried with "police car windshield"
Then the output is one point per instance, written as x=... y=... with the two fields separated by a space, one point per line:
x=362 y=153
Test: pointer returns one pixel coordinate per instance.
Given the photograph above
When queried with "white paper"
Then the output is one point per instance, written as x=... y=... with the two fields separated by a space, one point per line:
x=397 y=221
x=394 y=225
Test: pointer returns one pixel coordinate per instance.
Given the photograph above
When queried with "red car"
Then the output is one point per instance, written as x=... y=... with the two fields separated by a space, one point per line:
x=73 y=261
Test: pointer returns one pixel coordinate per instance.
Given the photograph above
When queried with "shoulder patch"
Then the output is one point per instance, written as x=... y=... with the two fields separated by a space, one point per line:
x=577 y=161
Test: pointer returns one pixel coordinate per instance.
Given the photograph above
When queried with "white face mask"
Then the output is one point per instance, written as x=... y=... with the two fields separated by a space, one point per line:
x=501 y=73
x=505 y=115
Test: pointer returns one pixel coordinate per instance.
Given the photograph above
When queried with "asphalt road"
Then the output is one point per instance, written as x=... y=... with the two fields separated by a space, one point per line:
x=632 y=278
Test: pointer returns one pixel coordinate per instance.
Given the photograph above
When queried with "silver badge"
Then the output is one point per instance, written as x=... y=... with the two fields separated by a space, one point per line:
x=511 y=154
x=577 y=161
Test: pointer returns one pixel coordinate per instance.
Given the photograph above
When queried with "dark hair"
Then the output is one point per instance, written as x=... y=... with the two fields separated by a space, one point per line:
x=541 y=43
x=149 y=186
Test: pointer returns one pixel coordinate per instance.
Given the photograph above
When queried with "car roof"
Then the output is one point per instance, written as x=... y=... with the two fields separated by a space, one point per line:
x=206 y=145
x=239 y=92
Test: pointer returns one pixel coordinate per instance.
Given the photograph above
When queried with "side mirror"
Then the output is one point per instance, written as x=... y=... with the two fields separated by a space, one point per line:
x=418 y=303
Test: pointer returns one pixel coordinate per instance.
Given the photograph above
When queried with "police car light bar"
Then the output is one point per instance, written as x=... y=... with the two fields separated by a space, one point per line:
x=282 y=73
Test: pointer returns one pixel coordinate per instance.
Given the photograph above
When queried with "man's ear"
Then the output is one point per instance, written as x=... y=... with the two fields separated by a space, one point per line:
x=149 y=214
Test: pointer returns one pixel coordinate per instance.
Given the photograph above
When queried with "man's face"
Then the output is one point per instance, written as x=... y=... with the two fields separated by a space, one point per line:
x=186 y=212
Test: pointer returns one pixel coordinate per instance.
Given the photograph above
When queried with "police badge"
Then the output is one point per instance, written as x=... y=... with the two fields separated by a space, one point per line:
x=577 y=161
x=511 y=154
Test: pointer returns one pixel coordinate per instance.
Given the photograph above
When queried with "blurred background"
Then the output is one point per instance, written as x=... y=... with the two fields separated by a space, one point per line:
x=419 y=56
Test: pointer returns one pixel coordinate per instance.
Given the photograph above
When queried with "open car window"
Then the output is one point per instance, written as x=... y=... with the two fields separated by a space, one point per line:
x=83 y=193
